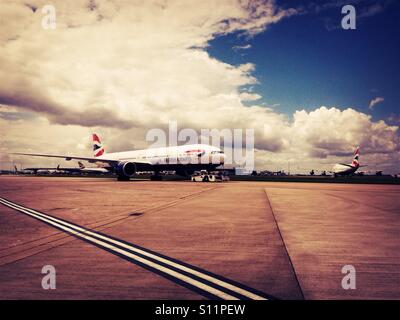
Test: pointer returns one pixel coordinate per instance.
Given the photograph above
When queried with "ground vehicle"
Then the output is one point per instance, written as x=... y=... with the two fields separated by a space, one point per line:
x=204 y=176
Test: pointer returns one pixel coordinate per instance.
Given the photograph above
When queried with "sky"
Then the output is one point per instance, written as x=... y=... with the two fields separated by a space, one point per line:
x=309 y=89
x=309 y=60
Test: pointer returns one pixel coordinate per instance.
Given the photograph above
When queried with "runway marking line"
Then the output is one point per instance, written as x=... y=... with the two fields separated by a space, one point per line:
x=105 y=224
x=201 y=281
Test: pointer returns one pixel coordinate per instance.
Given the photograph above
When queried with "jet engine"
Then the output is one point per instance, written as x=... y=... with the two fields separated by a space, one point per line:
x=125 y=170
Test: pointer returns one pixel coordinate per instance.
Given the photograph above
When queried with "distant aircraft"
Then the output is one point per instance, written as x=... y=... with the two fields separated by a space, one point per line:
x=15 y=171
x=37 y=171
x=92 y=170
x=184 y=160
x=341 y=169
x=80 y=169
x=272 y=173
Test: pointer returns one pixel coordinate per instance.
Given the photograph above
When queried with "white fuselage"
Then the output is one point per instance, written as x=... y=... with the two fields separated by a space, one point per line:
x=94 y=170
x=340 y=169
x=176 y=155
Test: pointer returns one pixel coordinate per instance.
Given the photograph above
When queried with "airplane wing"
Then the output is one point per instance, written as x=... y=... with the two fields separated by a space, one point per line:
x=37 y=169
x=89 y=159
x=347 y=165
x=69 y=169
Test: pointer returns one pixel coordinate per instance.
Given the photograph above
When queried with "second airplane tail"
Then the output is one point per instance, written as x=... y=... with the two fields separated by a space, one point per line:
x=81 y=165
x=355 y=162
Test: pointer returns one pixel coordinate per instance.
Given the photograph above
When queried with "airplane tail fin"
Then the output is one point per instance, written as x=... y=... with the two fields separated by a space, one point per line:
x=98 y=148
x=355 y=162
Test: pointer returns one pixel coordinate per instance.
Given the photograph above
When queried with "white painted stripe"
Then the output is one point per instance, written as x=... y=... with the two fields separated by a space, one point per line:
x=199 y=274
x=80 y=230
x=170 y=272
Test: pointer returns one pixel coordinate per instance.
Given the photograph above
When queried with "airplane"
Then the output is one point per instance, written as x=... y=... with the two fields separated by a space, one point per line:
x=92 y=170
x=341 y=169
x=184 y=160
x=58 y=169
x=15 y=171
x=37 y=170
x=82 y=169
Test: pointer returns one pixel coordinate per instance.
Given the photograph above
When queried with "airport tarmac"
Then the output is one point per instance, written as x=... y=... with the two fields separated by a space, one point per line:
x=186 y=240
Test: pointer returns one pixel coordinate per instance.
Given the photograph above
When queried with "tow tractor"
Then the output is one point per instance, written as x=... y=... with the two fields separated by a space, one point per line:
x=204 y=176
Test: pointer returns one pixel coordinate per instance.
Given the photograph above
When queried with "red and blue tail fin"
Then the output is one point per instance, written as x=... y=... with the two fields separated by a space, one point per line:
x=355 y=162
x=98 y=148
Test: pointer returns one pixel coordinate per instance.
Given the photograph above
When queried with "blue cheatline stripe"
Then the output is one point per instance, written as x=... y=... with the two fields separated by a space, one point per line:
x=206 y=283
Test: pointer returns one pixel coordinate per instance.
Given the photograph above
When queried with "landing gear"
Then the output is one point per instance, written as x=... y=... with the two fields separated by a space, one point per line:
x=156 y=177
x=123 y=178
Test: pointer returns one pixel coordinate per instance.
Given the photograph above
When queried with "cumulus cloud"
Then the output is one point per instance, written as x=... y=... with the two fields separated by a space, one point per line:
x=375 y=101
x=317 y=139
x=124 y=58
x=244 y=47
x=20 y=93
x=395 y=118
x=248 y=96
x=333 y=132
x=130 y=64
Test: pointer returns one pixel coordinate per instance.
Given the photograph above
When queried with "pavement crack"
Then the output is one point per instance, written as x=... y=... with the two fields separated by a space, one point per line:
x=284 y=245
